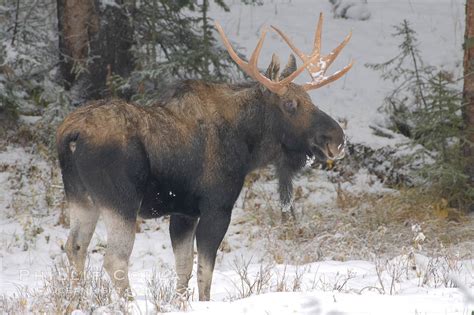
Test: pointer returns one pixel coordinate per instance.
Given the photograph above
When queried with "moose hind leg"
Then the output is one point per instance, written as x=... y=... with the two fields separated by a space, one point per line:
x=209 y=234
x=120 y=239
x=83 y=220
x=182 y=231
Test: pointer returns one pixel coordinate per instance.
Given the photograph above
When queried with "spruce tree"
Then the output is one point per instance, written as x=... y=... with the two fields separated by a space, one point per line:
x=425 y=105
x=170 y=45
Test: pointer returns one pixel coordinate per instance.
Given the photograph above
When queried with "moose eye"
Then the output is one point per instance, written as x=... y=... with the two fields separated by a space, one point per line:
x=290 y=106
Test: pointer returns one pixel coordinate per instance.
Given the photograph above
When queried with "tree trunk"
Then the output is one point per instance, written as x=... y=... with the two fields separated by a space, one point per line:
x=94 y=42
x=468 y=93
x=205 y=38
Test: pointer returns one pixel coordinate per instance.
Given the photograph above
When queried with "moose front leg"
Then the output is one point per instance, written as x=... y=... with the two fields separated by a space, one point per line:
x=210 y=231
x=182 y=231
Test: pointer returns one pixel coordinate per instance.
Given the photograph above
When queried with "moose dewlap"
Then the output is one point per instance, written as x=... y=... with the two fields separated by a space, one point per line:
x=188 y=155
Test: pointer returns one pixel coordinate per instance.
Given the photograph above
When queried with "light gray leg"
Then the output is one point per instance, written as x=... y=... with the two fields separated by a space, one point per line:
x=182 y=231
x=120 y=239
x=210 y=231
x=83 y=220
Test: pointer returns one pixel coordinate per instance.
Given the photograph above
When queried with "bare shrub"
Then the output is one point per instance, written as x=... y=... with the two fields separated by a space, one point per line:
x=63 y=290
x=163 y=295
x=391 y=270
x=281 y=281
x=336 y=283
x=379 y=269
x=450 y=269
x=439 y=271
x=15 y=304
x=285 y=283
x=247 y=284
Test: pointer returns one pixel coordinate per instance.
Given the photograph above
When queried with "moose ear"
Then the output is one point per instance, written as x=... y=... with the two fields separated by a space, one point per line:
x=273 y=68
x=290 y=67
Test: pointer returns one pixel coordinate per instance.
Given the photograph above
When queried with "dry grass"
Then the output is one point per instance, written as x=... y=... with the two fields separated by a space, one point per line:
x=63 y=292
x=355 y=226
x=443 y=226
x=14 y=304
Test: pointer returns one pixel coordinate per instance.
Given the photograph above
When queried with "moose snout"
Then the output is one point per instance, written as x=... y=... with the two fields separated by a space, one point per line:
x=333 y=146
x=329 y=137
x=337 y=146
x=336 y=152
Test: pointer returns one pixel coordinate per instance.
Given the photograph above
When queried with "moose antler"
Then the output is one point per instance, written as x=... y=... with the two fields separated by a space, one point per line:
x=251 y=67
x=317 y=70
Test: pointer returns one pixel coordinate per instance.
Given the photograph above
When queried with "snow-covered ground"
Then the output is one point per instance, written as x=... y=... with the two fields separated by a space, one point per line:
x=327 y=278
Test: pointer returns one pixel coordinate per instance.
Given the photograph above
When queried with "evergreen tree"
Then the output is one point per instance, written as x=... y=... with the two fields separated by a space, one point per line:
x=27 y=57
x=94 y=41
x=409 y=75
x=170 y=44
x=426 y=106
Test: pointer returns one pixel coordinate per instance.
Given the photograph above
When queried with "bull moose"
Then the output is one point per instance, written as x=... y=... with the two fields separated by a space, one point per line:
x=188 y=156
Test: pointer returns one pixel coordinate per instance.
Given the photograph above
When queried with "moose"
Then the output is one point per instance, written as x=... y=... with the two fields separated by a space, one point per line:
x=188 y=156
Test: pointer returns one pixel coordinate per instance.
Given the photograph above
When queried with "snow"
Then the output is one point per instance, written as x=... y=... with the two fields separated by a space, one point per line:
x=30 y=119
x=111 y=3
x=10 y=53
x=336 y=303
x=328 y=286
x=357 y=10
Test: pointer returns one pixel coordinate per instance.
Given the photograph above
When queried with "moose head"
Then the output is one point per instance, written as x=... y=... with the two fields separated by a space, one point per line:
x=305 y=129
